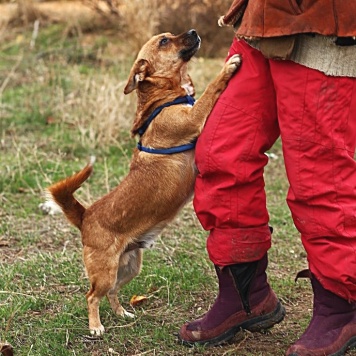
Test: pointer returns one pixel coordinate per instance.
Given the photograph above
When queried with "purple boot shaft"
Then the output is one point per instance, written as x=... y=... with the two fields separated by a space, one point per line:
x=332 y=329
x=245 y=301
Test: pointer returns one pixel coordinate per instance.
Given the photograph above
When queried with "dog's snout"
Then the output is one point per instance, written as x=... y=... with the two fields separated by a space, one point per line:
x=192 y=33
x=191 y=42
x=191 y=36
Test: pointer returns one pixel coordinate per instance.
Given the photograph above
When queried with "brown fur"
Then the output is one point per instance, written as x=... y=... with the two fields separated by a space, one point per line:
x=116 y=227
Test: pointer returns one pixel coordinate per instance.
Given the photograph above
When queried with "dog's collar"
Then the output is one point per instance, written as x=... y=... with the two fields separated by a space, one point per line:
x=167 y=151
x=164 y=151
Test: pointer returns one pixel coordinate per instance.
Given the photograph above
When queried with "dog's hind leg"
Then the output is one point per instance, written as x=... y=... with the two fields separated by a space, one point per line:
x=102 y=280
x=93 y=300
x=129 y=268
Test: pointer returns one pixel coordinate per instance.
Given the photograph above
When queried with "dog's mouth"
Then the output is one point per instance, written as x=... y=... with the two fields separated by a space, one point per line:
x=191 y=41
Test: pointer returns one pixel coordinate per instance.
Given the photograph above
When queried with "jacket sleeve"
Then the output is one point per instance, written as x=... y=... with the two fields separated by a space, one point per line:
x=274 y=18
x=234 y=13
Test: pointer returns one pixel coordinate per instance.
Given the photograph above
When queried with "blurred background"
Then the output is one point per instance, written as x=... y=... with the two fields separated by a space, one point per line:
x=132 y=21
x=71 y=58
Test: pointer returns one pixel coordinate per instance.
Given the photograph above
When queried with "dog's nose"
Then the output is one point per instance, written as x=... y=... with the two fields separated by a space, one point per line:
x=192 y=32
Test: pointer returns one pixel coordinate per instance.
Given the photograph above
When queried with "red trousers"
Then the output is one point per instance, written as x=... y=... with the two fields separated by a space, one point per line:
x=315 y=115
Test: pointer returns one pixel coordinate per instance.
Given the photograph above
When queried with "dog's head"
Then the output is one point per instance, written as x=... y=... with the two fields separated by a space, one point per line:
x=162 y=62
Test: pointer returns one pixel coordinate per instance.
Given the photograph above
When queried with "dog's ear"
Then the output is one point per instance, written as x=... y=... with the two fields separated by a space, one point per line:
x=138 y=73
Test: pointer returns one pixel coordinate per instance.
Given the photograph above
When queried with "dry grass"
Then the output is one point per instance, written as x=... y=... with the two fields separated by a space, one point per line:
x=27 y=12
x=97 y=107
x=129 y=20
x=139 y=22
x=129 y=23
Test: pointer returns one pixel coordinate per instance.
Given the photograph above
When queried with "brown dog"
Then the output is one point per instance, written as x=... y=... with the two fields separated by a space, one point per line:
x=116 y=227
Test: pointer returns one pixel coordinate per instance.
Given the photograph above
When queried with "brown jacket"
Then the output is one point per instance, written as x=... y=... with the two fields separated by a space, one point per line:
x=274 y=18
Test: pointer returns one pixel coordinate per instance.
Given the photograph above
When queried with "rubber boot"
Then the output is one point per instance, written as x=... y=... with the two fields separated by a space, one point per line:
x=245 y=301
x=332 y=329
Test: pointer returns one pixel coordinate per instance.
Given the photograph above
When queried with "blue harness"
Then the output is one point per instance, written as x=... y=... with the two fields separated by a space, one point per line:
x=166 y=151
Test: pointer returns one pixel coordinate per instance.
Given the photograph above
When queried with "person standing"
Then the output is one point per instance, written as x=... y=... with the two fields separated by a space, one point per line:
x=297 y=82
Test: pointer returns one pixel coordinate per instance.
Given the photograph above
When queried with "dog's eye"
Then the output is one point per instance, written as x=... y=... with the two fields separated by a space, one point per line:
x=163 y=41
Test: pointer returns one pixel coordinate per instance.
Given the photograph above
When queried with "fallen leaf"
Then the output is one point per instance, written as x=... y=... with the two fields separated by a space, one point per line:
x=137 y=300
x=50 y=120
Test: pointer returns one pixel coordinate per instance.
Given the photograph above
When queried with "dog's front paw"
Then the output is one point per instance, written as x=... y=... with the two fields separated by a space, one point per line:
x=233 y=63
x=97 y=331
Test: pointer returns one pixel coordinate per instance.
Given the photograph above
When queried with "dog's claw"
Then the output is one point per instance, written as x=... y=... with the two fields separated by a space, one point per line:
x=236 y=59
x=97 y=331
x=233 y=63
x=127 y=314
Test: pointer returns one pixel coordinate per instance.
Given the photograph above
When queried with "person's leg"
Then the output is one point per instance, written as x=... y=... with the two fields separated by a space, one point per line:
x=332 y=328
x=230 y=203
x=317 y=117
x=229 y=199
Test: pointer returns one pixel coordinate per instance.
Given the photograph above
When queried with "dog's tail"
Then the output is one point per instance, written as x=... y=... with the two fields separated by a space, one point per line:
x=61 y=193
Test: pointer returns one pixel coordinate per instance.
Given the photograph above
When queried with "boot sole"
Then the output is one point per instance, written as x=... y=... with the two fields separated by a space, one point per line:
x=257 y=324
x=351 y=344
x=266 y=321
